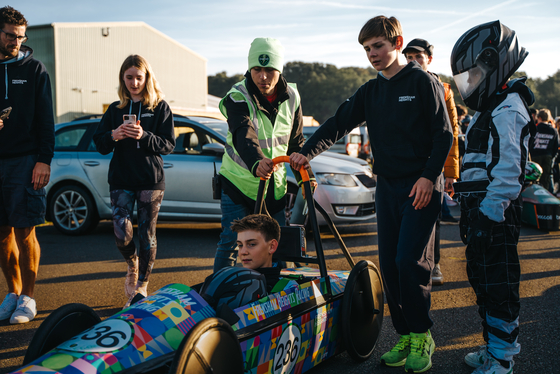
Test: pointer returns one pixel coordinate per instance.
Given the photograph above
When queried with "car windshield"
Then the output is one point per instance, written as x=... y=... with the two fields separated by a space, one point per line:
x=221 y=127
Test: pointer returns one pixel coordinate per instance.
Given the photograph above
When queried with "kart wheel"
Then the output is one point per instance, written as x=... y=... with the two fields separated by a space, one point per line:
x=362 y=310
x=210 y=347
x=64 y=323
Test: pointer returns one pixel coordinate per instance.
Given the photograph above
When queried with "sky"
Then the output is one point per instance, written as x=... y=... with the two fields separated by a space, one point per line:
x=316 y=31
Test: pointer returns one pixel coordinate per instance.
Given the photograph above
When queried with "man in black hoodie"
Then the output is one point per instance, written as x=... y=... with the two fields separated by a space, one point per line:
x=26 y=150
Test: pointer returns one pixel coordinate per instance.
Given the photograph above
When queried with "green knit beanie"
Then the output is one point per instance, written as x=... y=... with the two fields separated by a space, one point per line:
x=266 y=52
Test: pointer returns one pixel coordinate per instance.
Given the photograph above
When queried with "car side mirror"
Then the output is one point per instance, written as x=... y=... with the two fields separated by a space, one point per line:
x=213 y=148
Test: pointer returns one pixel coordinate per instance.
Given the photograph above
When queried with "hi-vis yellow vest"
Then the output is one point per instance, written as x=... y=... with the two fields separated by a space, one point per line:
x=273 y=141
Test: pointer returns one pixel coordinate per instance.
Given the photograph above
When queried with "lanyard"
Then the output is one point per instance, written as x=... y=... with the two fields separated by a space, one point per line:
x=137 y=118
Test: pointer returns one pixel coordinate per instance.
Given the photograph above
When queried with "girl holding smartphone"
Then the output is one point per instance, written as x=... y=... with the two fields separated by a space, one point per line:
x=138 y=129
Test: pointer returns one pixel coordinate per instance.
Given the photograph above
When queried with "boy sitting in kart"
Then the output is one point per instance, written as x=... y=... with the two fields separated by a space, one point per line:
x=257 y=240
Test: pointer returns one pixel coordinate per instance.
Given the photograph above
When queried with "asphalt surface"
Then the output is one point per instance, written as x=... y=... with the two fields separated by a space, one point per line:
x=88 y=269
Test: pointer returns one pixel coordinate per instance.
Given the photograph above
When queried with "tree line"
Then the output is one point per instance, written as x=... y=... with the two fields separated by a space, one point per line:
x=323 y=87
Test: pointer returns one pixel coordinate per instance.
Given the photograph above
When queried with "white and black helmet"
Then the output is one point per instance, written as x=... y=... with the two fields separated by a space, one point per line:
x=482 y=61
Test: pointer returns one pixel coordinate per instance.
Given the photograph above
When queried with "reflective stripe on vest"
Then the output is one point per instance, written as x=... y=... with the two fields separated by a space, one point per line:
x=272 y=145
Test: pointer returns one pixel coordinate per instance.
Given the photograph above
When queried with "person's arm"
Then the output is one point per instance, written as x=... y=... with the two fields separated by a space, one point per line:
x=349 y=115
x=442 y=138
x=297 y=140
x=244 y=136
x=451 y=167
x=43 y=116
x=555 y=146
x=440 y=128
x=163 y=140
x=102 y=138
x=510 y=129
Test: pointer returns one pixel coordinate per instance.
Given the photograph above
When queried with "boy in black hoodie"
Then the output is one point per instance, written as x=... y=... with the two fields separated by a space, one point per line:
x=410 y=137
x=26 y=150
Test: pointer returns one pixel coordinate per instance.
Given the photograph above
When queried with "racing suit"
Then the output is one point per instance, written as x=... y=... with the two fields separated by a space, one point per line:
x=492 y=177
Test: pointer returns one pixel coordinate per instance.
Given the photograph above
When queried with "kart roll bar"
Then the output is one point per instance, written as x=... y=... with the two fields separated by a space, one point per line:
x=311 y=212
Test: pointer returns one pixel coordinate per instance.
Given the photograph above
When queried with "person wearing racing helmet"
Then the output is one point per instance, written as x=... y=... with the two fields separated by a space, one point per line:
x=492 y=176
x=533 y=172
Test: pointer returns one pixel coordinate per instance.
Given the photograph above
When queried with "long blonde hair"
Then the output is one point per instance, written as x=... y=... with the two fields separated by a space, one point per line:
x=151 y=95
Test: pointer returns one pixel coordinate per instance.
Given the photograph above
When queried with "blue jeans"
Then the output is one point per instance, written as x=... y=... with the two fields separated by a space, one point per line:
x=226 y=254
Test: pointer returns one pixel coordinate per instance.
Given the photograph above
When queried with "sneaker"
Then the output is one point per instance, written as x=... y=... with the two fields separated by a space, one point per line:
x=492 y=366
x=398 y=354
x=8 y=306
x=476 y=359
x=449 y=200
x=131 y=277
x=26 y=310
x=141 y=288
x=422 y=348
x=437 y=276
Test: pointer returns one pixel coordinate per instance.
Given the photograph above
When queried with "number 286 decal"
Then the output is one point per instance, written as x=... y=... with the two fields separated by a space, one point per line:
x=287 y=350
x=107 y=336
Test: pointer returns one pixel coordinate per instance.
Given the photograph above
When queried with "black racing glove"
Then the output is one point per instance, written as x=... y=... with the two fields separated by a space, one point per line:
x=479 y=233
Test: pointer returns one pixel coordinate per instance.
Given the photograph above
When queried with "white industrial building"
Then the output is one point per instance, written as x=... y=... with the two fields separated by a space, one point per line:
x=83 y=61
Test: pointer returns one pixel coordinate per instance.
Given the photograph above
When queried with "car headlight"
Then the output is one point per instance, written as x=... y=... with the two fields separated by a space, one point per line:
x=332 y=179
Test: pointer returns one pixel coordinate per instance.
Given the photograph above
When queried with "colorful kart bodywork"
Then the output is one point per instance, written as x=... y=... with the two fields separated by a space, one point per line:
x=175 y=329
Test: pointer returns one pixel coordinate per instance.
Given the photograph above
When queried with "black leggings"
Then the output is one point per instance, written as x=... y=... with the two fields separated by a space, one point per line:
x=149 y=202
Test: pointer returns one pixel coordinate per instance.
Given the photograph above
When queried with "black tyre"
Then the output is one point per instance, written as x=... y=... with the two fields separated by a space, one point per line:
x=64 y=323
x=73 y=211
x=210 y=347
x=362 y=310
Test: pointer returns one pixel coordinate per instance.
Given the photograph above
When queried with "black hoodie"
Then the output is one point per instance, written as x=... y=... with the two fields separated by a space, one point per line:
x=137 y=164
x=29 y=130
x=407 y=122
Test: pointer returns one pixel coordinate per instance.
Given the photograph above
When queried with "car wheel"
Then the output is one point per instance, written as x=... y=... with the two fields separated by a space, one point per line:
x=72 y=211
x=362 y=310
x=64 y=323
x=210 y=347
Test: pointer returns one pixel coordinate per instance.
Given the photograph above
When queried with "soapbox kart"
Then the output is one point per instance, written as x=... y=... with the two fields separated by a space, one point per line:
x=175 y=329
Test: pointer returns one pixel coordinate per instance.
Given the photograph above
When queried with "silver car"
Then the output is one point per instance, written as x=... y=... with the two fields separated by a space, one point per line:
x=78 y=192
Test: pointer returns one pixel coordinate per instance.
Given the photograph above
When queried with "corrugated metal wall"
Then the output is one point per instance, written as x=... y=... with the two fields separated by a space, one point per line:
x=88 y=57
x=41 y=40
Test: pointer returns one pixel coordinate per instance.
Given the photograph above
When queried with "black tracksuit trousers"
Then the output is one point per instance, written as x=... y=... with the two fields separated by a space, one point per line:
x=406 y=242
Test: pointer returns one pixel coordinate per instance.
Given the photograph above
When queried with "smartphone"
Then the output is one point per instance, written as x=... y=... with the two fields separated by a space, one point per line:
x=5 y=113
x=129 y=119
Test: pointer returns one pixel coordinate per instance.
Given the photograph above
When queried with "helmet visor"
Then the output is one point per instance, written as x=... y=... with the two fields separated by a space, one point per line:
x=468 y=81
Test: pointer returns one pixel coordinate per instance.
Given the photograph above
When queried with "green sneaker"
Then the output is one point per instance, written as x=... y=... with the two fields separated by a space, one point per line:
x=422 y=347
x=398 y=354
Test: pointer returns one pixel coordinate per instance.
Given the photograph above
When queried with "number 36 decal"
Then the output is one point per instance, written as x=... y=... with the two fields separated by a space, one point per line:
x=107 y=336
x=287 y=350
